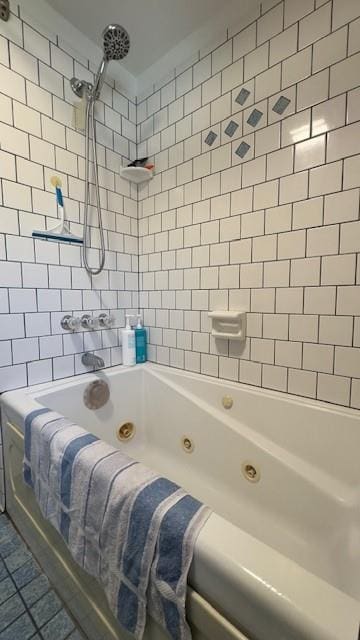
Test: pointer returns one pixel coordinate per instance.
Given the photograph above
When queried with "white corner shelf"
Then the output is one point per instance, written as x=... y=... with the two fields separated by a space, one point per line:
x=228 y=325
x=136 y=174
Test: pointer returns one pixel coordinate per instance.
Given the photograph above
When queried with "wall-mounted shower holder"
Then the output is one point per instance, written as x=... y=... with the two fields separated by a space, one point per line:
x=4 y=10
x=80 y=87
x=228 y=325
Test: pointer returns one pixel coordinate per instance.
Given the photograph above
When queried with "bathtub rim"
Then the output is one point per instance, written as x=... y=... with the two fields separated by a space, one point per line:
x=164 y=370
x=288 y=594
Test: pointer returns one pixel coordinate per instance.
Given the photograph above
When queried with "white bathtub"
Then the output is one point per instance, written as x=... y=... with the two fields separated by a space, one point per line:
x=279 y=558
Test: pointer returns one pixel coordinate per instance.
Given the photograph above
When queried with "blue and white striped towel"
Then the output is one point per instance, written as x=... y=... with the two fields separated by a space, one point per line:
x=130 y=528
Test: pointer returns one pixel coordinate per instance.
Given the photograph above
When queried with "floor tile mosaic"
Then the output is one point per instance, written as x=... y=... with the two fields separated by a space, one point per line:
x=29 y=607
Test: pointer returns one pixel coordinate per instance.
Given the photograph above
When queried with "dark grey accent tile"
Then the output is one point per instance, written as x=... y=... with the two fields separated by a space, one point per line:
x=210 y=138
x=281 y=104
x=7 y=589
x=35 y=589
x=10 y=610
x=242 y=149
x=3 y=571
x=9 y=545
x=254 y=117
x=7 y=535
x=231 y=128
x=11 y=534
x=10 y=540
x=76 y=636
x=59 y=627
x=4 y=523
x=26 y=573
x=45 y=608
x=242 y=96
x=21 y=629
x=17 y=559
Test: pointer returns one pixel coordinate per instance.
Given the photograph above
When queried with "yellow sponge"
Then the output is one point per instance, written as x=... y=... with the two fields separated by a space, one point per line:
x=55 y=181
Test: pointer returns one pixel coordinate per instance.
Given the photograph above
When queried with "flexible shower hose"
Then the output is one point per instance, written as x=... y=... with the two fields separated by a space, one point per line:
x=90 y=124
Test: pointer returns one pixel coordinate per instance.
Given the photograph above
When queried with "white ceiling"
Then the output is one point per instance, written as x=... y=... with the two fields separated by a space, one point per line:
x=155 y=26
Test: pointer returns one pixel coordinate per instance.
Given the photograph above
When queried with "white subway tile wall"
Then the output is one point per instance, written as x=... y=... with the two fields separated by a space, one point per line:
x=42 y=281
x=255 y=204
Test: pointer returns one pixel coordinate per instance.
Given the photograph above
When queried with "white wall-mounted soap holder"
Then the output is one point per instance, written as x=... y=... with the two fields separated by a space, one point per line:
x=136 y=174
x=228 y=325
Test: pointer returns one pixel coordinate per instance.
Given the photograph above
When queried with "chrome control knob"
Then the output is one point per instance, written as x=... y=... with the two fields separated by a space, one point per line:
x=70 y=323
x=105 y=321
x=89 y=322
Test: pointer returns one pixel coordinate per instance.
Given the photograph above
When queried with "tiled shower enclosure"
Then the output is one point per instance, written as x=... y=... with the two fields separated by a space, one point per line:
x=255 y=203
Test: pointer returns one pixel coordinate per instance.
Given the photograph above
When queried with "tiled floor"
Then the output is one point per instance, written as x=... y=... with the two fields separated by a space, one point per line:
x=29 y=608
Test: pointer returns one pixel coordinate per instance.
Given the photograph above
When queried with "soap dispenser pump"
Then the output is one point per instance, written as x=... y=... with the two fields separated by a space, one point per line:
x=140 y=341
x=128 y=344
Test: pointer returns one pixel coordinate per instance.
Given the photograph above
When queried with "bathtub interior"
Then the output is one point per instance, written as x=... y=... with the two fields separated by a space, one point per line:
x=308 y=429
x=125 y=403
x=301 y=506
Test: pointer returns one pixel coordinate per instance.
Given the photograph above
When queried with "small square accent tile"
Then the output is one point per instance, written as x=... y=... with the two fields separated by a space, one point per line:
x=242 y=149
x=242 y=96
x=17 y=559
x=59 y=627
x=210 y=138
x=3 y=572
x=46 y=608
x=75 y=636
x=231 y=128
x=8 y=533
x=22 y=629
x=281 y=104
x=10 y=610
x=4 y=524
x=7 y=589
x=254 y=117
x=8 y=537
x=35 y=589
x=26 y=573
x=29 y=608
x=9 y=545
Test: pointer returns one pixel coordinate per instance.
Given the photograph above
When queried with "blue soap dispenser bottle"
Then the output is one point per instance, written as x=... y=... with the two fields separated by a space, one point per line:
x=140 y=342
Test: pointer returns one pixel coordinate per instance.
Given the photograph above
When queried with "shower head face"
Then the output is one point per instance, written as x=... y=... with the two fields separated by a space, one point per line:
x=116 y=42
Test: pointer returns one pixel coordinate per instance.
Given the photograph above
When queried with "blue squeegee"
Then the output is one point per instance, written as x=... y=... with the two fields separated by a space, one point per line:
x=61 y=231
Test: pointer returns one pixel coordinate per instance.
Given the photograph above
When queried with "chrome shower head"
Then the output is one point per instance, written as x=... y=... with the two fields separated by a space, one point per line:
x=116 y=42
x=116 y=45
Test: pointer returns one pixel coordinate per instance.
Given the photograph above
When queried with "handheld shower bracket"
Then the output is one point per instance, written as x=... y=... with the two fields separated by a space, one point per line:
x=81 y=87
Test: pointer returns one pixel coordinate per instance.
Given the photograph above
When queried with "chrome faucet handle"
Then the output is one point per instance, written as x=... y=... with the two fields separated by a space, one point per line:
x=89 y=322
x=70 y=323
x=105 y=321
